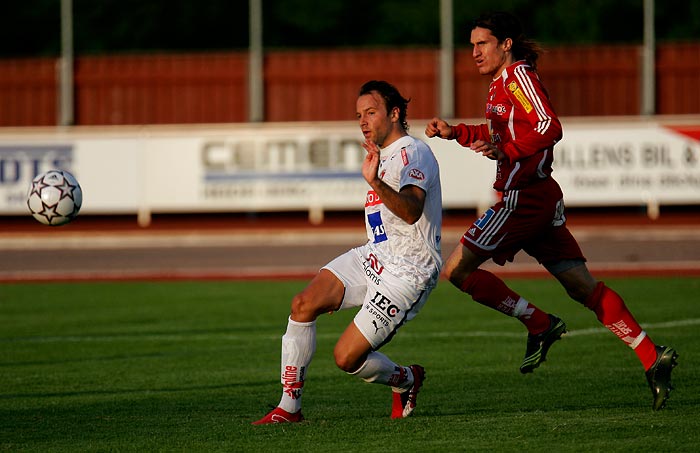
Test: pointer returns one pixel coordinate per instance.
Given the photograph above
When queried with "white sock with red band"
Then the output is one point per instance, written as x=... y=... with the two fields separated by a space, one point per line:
x=380 y=369
x=298 y=347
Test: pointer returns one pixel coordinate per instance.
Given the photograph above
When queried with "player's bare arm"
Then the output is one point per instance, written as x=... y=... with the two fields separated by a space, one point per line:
x=406 y=204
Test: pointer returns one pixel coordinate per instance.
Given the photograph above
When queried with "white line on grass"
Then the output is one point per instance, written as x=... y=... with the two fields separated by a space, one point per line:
x=248 y=337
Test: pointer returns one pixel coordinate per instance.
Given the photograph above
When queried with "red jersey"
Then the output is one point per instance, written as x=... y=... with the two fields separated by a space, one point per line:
x=521 y=122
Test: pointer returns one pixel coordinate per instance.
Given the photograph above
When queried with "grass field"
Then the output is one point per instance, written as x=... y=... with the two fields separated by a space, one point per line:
x=186 y=366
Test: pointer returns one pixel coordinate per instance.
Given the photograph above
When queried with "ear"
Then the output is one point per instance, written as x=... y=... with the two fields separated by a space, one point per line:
x=395 y=113
x=507 y=44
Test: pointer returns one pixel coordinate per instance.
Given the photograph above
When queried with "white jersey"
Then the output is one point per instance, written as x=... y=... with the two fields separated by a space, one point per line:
x=410 y=252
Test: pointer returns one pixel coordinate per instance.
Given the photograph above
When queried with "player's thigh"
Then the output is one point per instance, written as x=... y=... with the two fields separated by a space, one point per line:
x=555 y=245
x=349 y=271
x=504 y=229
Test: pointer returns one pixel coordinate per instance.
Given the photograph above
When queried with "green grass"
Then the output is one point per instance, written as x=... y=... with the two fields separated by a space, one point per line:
x=186 y=366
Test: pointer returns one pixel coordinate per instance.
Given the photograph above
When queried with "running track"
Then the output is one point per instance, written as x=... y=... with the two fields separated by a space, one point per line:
x=239 y=247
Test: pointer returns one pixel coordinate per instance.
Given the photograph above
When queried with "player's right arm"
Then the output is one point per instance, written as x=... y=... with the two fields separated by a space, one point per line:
x=437 y=127
x=407 y=204
x=476 y=137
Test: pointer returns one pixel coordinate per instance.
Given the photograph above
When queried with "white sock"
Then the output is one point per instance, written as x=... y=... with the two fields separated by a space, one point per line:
x=380 y=369
x=298 y=347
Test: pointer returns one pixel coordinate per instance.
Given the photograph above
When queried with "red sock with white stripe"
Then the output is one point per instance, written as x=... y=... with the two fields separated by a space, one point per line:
x=489 y=290
x=614 y=314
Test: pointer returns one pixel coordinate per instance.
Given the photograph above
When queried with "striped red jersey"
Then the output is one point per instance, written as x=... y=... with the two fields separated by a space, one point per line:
x=521 y=122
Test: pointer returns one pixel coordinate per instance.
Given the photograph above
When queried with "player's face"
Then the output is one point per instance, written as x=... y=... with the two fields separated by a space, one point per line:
x=375 y=122
x=490 y=56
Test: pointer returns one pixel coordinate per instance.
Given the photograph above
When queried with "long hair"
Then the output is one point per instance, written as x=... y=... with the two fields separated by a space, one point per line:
x=504 y=25
x=392 y=98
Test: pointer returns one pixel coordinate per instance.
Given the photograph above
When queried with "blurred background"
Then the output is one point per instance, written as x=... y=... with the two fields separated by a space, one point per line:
x=32 y=28
x=180 y=61
x=178 y=115
x=254 y=99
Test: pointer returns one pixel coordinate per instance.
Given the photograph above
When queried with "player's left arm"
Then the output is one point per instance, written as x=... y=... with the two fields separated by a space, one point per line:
x=530 y=100
x=407 y=203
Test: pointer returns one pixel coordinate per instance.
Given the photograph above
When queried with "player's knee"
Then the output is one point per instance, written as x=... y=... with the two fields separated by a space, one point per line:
x=304 y=307
x=581 y=290
x=576 y=294
x=456 y=275
x=345 y=361
x=576 y=279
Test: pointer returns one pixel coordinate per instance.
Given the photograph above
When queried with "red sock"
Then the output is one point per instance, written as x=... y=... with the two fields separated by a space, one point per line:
x=489 y=290
x=614 y=314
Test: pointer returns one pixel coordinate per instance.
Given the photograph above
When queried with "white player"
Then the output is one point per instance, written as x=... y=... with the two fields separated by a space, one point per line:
x=389 y=278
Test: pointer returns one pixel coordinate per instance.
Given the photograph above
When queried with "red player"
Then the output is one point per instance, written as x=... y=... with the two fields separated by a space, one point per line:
x=520 y=132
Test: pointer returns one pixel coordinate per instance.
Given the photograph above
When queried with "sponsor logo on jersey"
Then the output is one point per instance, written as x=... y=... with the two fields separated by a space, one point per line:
x=404 y=156
x=372 y=199
x=377 y=225
x=520 y=96
x=482 y=221
x=416 y=174
x=498 y=109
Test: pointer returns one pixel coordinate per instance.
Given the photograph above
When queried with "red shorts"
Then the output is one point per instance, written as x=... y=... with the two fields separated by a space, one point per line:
x=530 y=219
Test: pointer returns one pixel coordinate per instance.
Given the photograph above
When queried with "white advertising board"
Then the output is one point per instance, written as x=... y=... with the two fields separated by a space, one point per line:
x=316 y=167
x=628 y=163
x=110 y=169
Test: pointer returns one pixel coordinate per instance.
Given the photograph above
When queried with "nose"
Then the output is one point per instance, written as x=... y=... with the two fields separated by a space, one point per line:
x=475 y=52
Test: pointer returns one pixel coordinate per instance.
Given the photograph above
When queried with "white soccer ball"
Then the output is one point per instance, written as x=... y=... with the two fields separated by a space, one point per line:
x=55 y=197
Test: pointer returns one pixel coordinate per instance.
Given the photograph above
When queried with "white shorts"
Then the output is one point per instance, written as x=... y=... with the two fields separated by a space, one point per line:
x=386 y=301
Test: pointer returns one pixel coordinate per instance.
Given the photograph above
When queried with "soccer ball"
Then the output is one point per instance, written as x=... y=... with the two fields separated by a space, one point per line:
x=55 y=197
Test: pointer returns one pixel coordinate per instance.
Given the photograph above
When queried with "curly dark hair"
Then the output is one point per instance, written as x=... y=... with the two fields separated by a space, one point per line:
x=504 y=25
x=392 y=98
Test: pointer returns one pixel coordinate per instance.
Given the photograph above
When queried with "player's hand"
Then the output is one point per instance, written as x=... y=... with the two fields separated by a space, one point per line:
x=487 y=149
x=438 y=127
x=370 y=166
